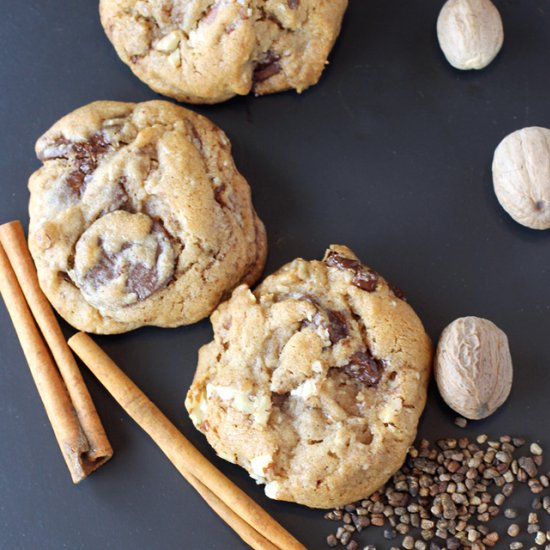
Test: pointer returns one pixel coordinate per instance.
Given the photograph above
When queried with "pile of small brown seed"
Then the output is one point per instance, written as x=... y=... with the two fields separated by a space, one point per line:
x=444 y=496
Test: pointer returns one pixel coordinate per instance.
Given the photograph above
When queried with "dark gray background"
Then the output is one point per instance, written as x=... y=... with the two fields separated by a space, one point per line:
x=390 y=154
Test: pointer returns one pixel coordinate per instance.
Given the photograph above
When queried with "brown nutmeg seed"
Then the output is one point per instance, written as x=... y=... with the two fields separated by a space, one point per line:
x=521 y=176
x=473 y=367
x=470 y=33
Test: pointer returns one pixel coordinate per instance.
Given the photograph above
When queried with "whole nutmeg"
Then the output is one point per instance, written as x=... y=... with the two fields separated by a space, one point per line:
x=473 y=367
x=521 y=176
x=470 y=33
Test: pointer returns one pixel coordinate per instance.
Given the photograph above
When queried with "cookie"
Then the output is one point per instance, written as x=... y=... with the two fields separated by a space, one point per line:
x=314 y=382
x=205 y=51
x=139 y=216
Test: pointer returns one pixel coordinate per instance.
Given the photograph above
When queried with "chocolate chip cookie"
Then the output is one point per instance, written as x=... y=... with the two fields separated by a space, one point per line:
x=206 y=51
x=139 y=216
x=315 y=381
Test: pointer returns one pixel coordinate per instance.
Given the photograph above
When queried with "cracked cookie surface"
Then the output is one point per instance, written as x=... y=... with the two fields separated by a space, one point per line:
x=139 y=216
x=207 y=51
x=314 y=382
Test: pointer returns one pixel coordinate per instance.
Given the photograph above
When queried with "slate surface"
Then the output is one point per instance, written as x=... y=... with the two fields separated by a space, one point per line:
x=390 y=154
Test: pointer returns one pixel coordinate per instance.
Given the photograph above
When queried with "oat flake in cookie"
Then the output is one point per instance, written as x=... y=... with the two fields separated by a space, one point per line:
x=139 y=217
x=315 y=381
x=206 y=51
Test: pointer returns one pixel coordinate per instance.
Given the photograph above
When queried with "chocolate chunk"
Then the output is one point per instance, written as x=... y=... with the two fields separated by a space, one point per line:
x=279 y=399
x=104 y=271
x=398 y=293
x=364 y=368
x=341 y=262
x=365 y=279
x=141 y=280
x=75 y=182
x=293 y=4
x=218 y=194
x=120 y=200
x=267 y=68
x=337 y=328
x=83 y=156
x=89 y=152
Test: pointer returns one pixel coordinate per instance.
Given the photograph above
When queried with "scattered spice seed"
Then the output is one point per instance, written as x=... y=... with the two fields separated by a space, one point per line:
x=345 y=538
x=532 y=518
x=535 y=486
x=461 y=422
x=535 y=449
x=491 y=539
x=445 y=494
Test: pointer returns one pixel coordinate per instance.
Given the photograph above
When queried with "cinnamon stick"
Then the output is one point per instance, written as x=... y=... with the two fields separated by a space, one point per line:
x=247 y=533
x=189 y=462
x=59 y=408
x=99 y=450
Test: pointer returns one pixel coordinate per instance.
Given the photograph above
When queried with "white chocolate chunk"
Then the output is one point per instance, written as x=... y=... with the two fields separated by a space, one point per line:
x=391 y=408
x=169 y=42
x=263 y=408
x=198 y=412
x=259 y=465
x=317 y=366
x=258 y=406
x=272 y=489
x=306 y=389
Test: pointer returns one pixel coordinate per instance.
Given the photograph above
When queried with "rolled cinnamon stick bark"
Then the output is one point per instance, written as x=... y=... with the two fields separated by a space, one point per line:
x=189 y=462
x=59 y=408
x=247 y=533
x=99 y=449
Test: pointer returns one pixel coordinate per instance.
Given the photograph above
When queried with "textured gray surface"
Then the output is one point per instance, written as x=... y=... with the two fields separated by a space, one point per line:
x=389 y=154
